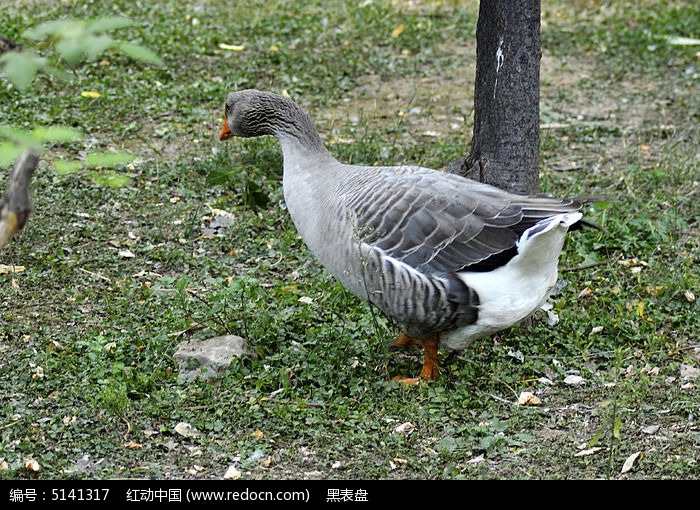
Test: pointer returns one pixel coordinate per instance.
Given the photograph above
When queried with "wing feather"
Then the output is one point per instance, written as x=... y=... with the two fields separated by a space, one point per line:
x=441 y=223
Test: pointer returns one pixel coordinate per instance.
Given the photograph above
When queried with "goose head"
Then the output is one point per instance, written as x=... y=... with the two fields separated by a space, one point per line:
x=251 y=113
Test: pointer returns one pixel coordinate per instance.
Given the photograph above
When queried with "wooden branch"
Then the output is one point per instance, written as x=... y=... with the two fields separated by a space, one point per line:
x=15 y=205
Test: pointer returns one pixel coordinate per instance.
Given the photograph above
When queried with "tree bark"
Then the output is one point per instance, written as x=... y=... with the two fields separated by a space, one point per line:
x=16 y=206
x=506 y=140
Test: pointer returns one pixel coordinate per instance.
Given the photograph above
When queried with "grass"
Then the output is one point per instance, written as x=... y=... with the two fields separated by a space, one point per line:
x=87 y=334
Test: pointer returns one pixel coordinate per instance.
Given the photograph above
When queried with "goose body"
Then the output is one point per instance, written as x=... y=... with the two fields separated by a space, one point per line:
x=450 y=259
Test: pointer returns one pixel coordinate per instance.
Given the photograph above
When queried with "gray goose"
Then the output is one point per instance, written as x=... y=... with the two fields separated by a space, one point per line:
x=448 y=258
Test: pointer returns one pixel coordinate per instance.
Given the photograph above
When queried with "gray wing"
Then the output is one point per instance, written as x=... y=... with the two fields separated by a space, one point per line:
x=441 y=223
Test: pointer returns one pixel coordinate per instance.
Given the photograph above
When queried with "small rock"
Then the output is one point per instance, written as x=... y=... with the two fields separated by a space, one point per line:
x=689 y=372
x=85 y=465
x=212 y=356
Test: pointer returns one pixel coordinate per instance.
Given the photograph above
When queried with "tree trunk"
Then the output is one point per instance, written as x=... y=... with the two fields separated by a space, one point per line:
x=506 y=141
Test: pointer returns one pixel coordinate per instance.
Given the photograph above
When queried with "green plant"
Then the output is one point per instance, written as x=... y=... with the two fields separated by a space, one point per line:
x=73 y=41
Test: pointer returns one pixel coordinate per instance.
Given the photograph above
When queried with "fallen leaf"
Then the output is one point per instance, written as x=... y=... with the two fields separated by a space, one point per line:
x=306 y=300
x=595 y=330
x=219 y=212
x=689 y=296
x=648 y=369
x=257 y=434
x=232 y=47
x=186 y=430
x=552 y=317
x=528 y=398
x=629 y=461
x=397 y=31
x=585 y=293
x=405 y=428
x=126 y=254
x=517 y=355
x=197 y=468
x=275 y=393
x=11 y=269
x=133 y=445
x=232 y=473
x=91 y=94
x=651 y=429
x=587 y=451
x=655 y=291
x=32 y=465
x=574 y=380
x=632 y=262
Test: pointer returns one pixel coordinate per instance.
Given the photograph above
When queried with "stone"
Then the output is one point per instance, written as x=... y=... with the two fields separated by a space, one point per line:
x=209 y=358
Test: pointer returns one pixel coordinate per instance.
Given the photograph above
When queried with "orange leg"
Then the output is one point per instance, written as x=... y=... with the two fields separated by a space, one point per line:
x=430 y=358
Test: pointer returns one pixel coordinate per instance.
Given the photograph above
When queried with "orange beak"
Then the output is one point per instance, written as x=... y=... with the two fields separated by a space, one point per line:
x=225 y=132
